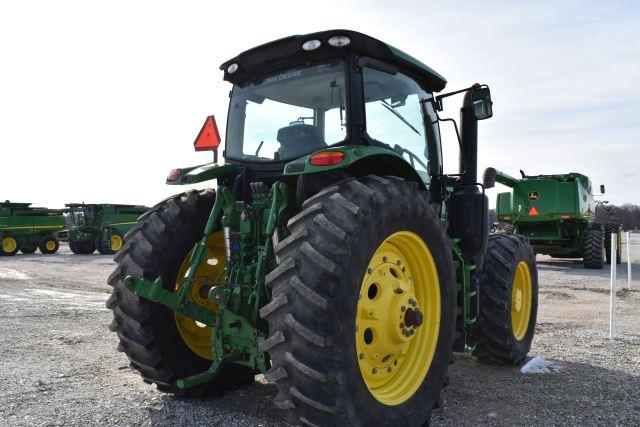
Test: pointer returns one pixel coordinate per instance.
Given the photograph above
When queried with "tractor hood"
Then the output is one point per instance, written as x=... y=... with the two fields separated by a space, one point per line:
x=288 y=52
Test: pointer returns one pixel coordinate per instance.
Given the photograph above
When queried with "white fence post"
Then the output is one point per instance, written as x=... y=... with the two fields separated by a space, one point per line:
x=612 y=301
x=628 y=260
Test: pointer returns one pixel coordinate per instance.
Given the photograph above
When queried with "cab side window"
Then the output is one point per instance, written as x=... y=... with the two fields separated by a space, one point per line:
x=394 y=115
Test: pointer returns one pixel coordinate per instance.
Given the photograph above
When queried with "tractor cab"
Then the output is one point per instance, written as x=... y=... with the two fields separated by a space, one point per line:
x=335 y=99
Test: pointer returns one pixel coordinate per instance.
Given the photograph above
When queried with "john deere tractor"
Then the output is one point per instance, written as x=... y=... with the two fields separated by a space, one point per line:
x=334 y=255
x=557 y=214
x=26 y=228
x=99 y=226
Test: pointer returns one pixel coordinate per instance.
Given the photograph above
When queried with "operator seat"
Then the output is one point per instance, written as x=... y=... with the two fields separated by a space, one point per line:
x=298 y=140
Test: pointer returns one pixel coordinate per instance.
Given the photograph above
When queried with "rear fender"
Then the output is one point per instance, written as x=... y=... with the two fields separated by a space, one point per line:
x=361 y=160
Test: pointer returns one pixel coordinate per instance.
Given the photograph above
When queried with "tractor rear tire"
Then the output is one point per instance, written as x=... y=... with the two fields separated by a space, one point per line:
x=48 y=245
x=593 y=248
x=9 y=245
x=324 y=268
x=82 y=247
x=508 y=301
x=147 y=331
x=610 y=229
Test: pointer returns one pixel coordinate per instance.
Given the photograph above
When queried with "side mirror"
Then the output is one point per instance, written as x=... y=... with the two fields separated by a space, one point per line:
x=481 y=103
x=489 y=178
x=601 y=189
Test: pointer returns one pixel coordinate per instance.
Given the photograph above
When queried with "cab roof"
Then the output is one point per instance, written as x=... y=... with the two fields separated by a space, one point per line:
x=287 y=52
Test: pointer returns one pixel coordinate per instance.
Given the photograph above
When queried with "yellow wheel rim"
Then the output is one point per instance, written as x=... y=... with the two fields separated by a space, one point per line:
x=50 y=245
x=115 y=242
x=196 y=335
x=521 y=297
x=400 y=284
x=9 y=244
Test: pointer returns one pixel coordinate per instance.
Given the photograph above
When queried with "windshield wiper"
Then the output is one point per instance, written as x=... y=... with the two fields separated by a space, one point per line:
x=398 y=115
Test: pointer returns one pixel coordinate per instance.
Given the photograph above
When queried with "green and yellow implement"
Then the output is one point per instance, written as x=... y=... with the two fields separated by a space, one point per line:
x=26 y=228
x=99 y=227
x=556 y=213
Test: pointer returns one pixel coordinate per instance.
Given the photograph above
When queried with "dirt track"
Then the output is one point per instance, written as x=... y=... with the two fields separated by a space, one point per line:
x=58 y=363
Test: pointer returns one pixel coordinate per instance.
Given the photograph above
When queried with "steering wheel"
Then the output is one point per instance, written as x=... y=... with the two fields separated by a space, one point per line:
x=412 y=157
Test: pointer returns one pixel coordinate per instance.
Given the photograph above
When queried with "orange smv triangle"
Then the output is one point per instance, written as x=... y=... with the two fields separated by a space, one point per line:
x=209 y=137
x=533 y=211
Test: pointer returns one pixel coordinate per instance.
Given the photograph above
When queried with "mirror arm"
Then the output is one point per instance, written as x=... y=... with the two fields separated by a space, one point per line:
x=437 y=101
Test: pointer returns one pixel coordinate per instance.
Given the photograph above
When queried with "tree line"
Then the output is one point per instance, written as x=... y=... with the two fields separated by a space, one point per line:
x=628 y=215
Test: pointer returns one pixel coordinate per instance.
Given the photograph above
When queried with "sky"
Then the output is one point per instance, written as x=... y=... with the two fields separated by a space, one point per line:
x=99 y=100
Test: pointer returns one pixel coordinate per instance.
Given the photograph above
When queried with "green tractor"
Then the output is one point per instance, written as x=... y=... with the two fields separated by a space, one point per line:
x=334 y=255
x=99 y=226
x=27 y=228
x=557 y=215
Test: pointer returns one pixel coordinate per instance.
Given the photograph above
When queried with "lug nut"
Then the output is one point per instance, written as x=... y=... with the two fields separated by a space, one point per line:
x=389 y=369
x=403 y=308
x=401 y=325
x=374 y=370
x=361 y=356
x=369 y=271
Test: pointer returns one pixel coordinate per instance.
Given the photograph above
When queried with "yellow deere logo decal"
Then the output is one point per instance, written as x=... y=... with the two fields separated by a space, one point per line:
x=534 y=195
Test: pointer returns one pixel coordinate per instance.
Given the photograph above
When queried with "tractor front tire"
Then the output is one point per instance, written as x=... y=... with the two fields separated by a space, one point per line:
x=593 y=248
x=148 y=331
x=48 y=245
x=344 y=304
x=508 y=301
x=610 y=229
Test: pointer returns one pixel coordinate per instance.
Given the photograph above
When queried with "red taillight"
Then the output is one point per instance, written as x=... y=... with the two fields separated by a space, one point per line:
x=565 y=216
x=507 y=218
x=326 y=158
x=533 y=211
x=174 y=175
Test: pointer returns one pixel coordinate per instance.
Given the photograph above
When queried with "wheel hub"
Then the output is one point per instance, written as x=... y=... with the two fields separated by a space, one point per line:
x=9 y=244
x=521 y=300
x=397 y=318
x=197 y=335
x=517 y=300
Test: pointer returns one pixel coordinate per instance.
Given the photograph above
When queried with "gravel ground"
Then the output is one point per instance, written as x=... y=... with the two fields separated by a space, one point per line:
x=58 y=363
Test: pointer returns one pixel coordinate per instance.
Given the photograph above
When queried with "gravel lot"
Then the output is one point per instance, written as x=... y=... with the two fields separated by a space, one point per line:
x=58 y=363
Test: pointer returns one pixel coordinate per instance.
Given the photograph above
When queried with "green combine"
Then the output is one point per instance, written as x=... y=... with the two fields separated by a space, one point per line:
x=99 y=226
x=334 y=256
x=26 y=228
x=557 y=215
